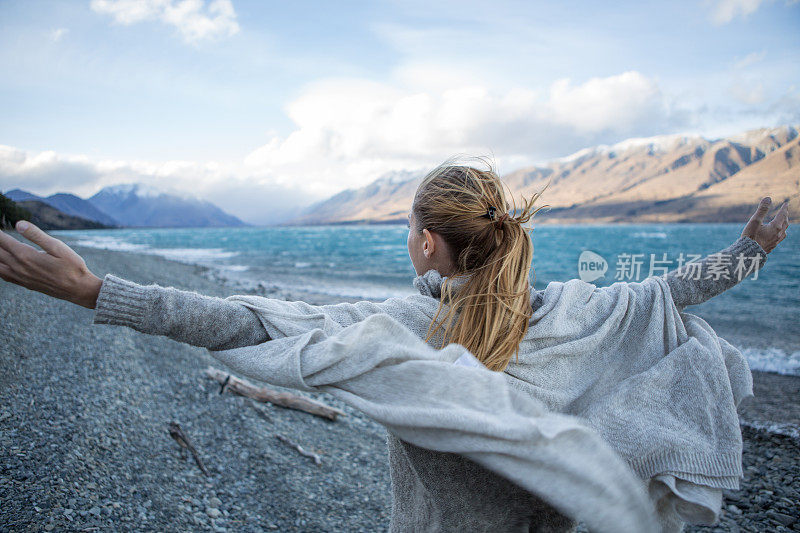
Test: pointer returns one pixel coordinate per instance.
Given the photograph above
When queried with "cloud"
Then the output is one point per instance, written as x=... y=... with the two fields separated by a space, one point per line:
x=58 y=34
x=747 y=86
x=349 y=131
x=750 y=93
x=255 y=198
x=786 y=108
x=724 y=11
x=749 y=60
x=621 y=103
x=194 y=19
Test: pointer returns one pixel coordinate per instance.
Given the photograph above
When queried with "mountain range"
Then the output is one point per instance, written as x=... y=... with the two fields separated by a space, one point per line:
x=668 y=178
x=66 y=203
x=139 y=205
x=386 y=199
x=133 y=205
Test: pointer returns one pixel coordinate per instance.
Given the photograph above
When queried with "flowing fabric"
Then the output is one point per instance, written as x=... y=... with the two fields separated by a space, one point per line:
x=657 y=385
x=385 y=371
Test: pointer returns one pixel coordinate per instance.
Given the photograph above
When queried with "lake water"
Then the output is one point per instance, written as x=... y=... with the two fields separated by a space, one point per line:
x=761 y=316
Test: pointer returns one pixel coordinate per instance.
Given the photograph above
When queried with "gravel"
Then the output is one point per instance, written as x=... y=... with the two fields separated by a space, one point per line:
x=84 y=440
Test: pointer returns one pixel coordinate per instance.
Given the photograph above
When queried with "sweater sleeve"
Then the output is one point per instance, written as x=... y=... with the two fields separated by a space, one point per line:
x=698 y=281
x=225 y=323
x=185 y=316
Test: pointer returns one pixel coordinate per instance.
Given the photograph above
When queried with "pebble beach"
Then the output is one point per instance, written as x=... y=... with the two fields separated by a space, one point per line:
x=85 y=444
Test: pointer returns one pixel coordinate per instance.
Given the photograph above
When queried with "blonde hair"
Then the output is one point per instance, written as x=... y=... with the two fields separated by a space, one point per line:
x=492 y=252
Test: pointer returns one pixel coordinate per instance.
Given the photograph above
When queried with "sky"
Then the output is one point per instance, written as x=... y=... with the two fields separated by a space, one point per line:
x=265 y=107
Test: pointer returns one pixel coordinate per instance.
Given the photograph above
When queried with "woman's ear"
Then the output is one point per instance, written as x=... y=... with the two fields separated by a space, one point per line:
x=429 y=246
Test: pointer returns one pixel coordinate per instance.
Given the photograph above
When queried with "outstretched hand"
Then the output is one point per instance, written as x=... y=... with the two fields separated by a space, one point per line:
x=767 y=235
x=56 y=270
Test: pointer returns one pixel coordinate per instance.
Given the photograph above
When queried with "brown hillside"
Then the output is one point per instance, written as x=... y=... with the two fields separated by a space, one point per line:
x=671 y=178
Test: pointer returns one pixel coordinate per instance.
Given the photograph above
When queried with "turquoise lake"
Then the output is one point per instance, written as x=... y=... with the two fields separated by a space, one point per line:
x=759 y=315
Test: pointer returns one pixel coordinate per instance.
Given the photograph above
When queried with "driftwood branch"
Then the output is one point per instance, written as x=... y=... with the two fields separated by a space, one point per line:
x=176 y=432
x=300 y=449
x=263 y=394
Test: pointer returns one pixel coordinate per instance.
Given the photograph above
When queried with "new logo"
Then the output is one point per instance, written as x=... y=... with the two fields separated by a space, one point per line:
x=591 y=266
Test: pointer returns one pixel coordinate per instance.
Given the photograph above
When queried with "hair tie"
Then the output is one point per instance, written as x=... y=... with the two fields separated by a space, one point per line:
x=499 y=223
x=491 y=214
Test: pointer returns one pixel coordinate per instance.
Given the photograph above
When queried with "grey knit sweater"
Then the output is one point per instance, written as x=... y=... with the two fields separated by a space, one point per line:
x=428 y=487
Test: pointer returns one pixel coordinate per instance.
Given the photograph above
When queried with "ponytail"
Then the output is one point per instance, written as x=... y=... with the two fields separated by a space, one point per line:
x=489 y=313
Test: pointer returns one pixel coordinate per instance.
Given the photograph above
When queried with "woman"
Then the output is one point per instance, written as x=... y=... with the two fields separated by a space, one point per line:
x=472 y=256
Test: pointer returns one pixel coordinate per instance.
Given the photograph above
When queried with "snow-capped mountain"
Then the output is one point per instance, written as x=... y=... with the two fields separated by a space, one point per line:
x=666 y=178
x=140 y=205
x=383 y=200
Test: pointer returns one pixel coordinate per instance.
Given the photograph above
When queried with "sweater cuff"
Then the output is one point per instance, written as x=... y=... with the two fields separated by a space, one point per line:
x=749 y=248
x=122 y=303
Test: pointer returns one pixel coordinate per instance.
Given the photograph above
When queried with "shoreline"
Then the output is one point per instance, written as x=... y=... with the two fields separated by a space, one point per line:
x=84 y=410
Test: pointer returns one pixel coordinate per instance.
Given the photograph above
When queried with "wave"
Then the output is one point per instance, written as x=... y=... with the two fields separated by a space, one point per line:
x=192 y=255
x=650 y=235
x=777 y=428
x=183 y=255
x=234 y=268
x=111 y=243
x=773 y=360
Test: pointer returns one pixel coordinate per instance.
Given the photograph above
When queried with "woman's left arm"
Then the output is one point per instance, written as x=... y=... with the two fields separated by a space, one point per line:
x=185 y=316
x=58 y=271
x=697 y=282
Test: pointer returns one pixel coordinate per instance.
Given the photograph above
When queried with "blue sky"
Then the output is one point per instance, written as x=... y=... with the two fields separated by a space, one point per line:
x=266 y=106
